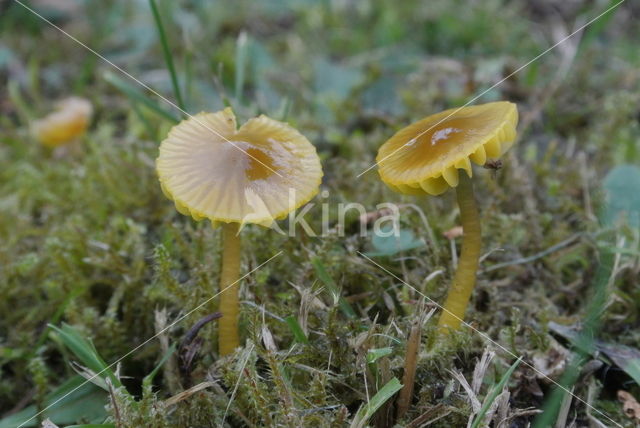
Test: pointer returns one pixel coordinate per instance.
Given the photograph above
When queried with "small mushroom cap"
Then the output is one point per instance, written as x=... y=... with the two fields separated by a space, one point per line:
x=254 y=174
x=69 y=121
x=425 y=156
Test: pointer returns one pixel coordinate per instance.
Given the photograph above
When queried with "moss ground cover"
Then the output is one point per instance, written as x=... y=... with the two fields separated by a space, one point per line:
x=89 y=244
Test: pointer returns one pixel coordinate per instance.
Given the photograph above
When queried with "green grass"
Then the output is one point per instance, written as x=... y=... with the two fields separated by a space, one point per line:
x=88 y=239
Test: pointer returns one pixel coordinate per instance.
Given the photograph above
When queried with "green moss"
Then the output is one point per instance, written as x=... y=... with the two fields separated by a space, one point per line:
x=89 y=239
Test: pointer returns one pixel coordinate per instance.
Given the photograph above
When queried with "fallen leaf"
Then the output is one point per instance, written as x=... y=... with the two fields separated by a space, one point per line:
x=630 y=405
x=625 y=357
x=551 y=364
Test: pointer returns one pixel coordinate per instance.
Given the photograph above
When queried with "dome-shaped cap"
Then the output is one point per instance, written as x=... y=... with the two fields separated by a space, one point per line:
x=425 y=157
x=254 y=174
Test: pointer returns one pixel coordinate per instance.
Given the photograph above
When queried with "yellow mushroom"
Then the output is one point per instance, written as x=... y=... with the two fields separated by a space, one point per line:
x=67 y=122
x=255 y=174
x=425 y=158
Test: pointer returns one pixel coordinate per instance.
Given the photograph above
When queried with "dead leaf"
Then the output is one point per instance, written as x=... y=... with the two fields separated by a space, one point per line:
x=527 y=383
x=550 y=364
x=630 y=405
x=625 y=357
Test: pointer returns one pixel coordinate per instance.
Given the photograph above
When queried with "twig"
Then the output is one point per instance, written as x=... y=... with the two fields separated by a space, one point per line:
x=424 y=419
x=537 y=256
x=114 y=403
x=193 y=331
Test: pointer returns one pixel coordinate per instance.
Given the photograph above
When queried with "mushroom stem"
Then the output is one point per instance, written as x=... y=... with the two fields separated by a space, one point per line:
x=465 y=277
x=228 y=338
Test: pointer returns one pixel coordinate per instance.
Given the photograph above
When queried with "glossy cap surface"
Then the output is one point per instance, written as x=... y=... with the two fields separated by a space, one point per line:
x=425 y=156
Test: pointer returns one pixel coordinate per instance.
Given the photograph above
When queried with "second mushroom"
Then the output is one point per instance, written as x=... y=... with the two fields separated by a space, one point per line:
x=425 y=158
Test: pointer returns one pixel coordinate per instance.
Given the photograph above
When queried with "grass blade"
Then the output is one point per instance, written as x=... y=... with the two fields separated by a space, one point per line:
x=148 y=379
x=382 y=396
x=491 y=397
x=297 y=331
x=241 y=64
x=374 y=355
x=332 y=287
x=84 y=350
x=168 y=58
x=70 y=402
x=596 y=28
x=136 y=96
x=583 y=346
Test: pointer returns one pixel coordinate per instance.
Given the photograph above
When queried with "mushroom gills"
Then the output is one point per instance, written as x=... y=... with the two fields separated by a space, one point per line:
x=407 y=189
x=450 y=175
x=434 y=185
x=465 y=164
x=493 y=148
x=479 y=156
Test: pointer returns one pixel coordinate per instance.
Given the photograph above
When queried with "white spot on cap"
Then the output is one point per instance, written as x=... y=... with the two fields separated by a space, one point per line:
x=443 y=134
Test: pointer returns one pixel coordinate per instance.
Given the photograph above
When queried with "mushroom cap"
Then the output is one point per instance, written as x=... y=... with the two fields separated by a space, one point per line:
x=425 y=156
x=69 y=120
x=254 y=174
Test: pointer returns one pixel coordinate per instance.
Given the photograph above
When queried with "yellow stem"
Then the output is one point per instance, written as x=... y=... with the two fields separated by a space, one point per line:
x=465 y=278
x=228 y=338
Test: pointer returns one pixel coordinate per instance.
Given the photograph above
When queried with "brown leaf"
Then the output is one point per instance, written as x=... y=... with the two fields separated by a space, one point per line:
x=550 y=364
x=630 y=405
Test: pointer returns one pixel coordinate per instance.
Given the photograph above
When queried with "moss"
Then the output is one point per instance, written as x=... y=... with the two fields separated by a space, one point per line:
x=89 y=239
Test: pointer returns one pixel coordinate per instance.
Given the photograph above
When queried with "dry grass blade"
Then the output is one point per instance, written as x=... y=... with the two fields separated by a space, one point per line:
x=563 y=413
x=411 y=362
x=187 y=393
x=481 y=369
x=473 y=398
x=491 y=398
x=502 y=411
x=170 y=371
x=430 y=416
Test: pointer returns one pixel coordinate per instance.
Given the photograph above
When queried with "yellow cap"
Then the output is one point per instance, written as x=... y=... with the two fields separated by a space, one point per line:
x=69 y=121
x=254 y=174
x=425 y=157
